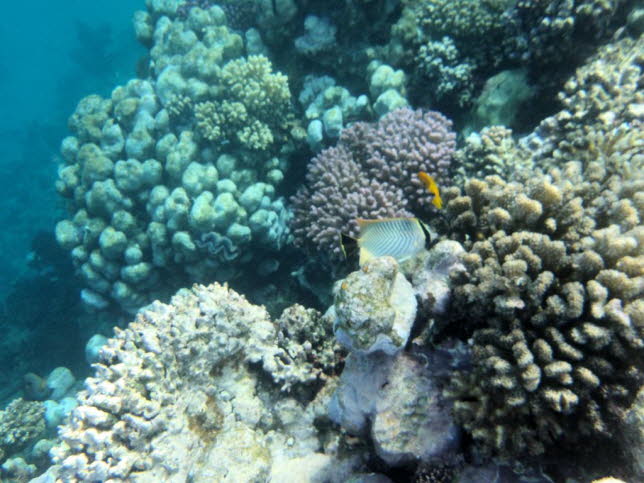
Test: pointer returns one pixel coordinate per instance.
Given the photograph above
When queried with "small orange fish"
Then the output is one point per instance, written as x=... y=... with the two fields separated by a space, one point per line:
x=432 y=187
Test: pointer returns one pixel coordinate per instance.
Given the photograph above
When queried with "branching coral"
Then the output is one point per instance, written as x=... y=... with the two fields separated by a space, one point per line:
x=493 y=151
x=337 y=191
x=553 y=32
x=451 y=44
x=554 y=298
x=602 y=109
x=372 y=173
x=255 y=104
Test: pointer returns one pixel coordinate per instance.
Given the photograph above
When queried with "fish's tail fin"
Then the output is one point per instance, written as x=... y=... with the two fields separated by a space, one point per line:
x=349 y=246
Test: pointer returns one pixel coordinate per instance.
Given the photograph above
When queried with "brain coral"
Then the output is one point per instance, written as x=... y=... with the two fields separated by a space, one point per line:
x=553 y=303
x=191 y=391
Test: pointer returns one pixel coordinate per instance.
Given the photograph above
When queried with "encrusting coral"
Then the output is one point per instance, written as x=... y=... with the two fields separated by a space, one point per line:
x=553 y=302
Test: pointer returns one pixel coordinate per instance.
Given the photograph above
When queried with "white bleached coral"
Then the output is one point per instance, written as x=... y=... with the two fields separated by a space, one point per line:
x=184 y=393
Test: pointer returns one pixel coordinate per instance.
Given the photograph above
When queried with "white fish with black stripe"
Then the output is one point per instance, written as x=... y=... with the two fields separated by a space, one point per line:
x=400 y=238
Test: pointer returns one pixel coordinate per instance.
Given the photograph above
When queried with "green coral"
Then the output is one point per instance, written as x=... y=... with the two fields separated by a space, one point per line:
x=254 y=108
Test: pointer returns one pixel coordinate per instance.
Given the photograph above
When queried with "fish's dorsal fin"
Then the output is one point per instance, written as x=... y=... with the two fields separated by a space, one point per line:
x=363 y=223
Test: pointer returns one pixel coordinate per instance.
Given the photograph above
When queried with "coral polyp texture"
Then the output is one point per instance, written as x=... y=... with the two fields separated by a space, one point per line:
x=170 y=180
x=553 y=300
x=191 y=391
x=602 y=109
x=371 y=173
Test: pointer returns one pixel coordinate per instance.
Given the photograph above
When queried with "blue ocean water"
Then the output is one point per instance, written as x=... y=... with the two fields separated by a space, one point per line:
x=242 y=142
x=53 y=54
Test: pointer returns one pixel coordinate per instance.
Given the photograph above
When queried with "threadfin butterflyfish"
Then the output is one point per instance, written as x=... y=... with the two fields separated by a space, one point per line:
x=400 y=238
x=432 y=187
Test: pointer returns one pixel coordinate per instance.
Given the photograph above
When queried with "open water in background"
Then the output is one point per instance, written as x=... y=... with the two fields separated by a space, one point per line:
x=52 y=54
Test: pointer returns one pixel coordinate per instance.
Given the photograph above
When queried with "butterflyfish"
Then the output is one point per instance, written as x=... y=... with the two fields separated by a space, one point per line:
x=432 y=187
x=400 y=238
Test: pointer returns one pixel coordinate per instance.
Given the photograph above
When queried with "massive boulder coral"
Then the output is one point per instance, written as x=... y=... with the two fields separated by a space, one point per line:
x=552 y=300
x=371 y=173
x=190 y=391
x=162 y=187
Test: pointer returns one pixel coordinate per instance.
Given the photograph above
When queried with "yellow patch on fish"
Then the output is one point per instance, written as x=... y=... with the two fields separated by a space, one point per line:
x=400 y=238
x=432 y=187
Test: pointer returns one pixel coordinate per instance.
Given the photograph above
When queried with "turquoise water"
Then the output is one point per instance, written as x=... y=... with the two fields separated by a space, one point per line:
x=191 y=174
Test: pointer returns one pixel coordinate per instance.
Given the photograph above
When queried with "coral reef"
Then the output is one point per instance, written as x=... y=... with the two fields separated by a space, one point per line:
x=172 y=179
x=387 y=390
x=492 y=151
x=633 y=434
x=21 y=424
x=553 y=299
x=371 y=173
x=451 y=44
x=191 y=390
x=602 y=111
x=374 y=308
x=555 y=32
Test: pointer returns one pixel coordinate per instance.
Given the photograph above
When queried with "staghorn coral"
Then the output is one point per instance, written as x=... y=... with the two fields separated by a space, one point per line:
x=185 y=392
x=372 y=173
x=553 y=300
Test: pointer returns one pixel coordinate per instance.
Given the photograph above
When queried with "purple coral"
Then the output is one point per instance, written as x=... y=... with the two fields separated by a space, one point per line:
x=372 y=173
x=401 y=144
